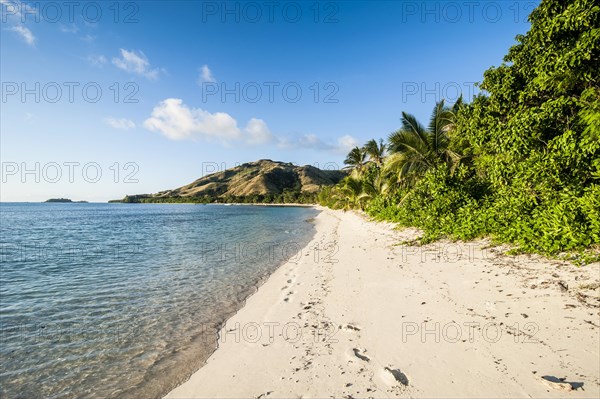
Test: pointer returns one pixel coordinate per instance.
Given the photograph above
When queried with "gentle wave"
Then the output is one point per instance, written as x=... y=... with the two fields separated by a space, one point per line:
x=119 y=300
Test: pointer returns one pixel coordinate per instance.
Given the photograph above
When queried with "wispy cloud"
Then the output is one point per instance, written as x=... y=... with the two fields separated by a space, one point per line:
x=120 y=123
x=135 y=62
x=96 y=60
x=206 y=75
x=177 y=121
x=72 y=28
x=25 y=33
x=13 y=15
x=88 y=38
x=13 y=9
x=313 y=142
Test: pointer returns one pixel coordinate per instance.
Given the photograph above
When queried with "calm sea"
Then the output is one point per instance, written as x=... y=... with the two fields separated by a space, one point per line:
x=124 y=300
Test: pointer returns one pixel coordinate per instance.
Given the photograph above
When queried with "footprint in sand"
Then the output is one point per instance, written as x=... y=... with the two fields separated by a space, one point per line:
x=262 y=395
x=352 y=327
x=561 y=383
x=359 y=353
x=393 y=376
x=289 y=294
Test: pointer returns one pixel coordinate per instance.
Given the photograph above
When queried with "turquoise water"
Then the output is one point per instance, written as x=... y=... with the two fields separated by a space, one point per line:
x=124 y=300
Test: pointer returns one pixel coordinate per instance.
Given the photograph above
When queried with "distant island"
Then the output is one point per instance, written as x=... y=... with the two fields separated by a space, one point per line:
x=65 y=200
x=263 y=181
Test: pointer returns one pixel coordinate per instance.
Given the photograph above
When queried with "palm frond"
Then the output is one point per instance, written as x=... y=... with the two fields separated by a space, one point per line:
x=355 y=158
x=410 y=123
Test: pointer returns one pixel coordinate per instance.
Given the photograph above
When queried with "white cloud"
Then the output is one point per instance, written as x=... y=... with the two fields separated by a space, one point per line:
x=10 y=9
x=307 y=141
x=206 y=75
x=88 y=38
x=177 y=121
x=311 y=141
x=96 y=60
x=15 y=13
x=346 y=143
x=120 y=123
x=314 y=142
x=135 y=62
x=72 y=28
x=25 y=33
x=19 y=11
x=258 y=132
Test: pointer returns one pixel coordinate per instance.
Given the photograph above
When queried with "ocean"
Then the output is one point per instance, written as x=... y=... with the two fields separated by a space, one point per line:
x=125 y=300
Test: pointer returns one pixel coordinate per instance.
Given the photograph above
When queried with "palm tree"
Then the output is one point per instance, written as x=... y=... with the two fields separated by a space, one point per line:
x=375 y=151
x=356 y=159
x=415 y=149
x=352 y=188
x=451 y=115
x=351 y=193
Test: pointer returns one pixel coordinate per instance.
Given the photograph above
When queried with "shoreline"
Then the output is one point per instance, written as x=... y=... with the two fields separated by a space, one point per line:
x=289 y=204
x=359 y=315
x=253 y=289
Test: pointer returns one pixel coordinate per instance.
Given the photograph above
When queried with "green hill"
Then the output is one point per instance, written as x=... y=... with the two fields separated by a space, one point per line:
x=254 y=182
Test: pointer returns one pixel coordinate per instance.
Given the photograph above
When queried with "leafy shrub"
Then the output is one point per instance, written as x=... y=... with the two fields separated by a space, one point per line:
x=529 y=169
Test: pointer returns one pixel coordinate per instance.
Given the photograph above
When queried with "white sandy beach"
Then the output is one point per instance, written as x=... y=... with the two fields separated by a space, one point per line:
x=366 y=317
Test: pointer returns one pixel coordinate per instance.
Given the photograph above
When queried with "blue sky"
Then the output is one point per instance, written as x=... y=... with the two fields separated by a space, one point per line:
x=190 y=86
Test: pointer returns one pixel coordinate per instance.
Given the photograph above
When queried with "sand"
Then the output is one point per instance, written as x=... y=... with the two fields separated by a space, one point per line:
x=359 y=315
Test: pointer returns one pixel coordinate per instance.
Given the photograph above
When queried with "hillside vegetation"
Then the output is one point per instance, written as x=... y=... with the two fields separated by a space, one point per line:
x=263 y=181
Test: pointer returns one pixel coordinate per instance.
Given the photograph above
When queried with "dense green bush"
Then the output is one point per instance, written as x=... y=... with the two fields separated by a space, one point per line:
x=527 y=169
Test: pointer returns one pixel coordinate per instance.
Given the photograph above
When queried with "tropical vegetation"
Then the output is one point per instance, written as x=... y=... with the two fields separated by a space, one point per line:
x=519 y=163
x=285 y=197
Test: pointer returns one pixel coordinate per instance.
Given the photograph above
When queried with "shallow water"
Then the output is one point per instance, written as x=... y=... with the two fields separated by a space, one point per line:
x=124 y=300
